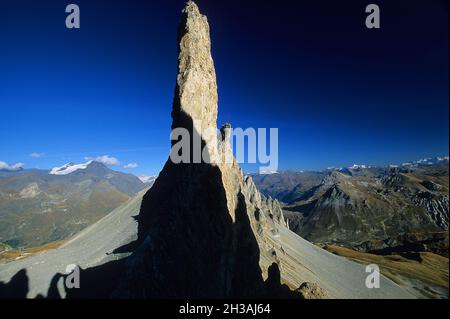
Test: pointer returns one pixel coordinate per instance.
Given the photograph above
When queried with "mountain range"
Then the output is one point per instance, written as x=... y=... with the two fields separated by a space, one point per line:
x=42 y=206
x=204 y=230
x=367 y=207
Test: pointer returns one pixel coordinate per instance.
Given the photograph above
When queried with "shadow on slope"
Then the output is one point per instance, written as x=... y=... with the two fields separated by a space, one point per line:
x=16 y=288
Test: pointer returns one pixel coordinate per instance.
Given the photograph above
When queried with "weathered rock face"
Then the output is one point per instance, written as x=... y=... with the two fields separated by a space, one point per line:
x=195 y=100
x=204 y=229
x=309 y=290
x=436 y=205
x=372 y=209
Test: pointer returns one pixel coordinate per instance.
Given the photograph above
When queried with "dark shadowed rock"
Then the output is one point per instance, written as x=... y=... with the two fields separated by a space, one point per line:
x=202 y=226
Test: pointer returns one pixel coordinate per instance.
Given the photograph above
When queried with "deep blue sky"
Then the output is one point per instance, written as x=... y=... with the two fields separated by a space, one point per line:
x=338 y=92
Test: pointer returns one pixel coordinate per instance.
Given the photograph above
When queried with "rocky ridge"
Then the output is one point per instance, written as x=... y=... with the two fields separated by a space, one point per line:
x=37 y=208
x=357 y=209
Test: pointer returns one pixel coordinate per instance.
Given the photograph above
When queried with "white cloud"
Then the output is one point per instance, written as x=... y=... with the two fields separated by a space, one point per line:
x=131 y=165
x=105 y=159
x=14 y=167
x=37 y=155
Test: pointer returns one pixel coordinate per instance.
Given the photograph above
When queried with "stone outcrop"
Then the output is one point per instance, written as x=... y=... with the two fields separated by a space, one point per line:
x=195 y=100
x=204 y=229
x=436 y=205
x=310 y=290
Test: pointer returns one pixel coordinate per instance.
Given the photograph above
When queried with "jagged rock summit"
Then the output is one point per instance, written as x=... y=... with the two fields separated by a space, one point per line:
x=202 y=226
x=196 y=86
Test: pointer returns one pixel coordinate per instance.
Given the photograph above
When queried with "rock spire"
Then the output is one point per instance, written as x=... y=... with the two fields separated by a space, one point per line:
x=204 y=229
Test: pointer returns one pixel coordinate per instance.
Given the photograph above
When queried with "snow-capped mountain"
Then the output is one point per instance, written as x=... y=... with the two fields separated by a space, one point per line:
x=68 y=168
x=267 y=172
x=55 y=206
x=427 y=161
x=148 y=180
x=359 y=166
x=432 y=160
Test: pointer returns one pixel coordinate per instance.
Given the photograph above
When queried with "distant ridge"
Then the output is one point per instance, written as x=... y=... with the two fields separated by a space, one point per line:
x=40 y=206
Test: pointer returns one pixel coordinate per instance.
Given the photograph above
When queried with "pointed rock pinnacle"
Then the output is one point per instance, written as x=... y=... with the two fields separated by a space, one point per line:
x=195 y=101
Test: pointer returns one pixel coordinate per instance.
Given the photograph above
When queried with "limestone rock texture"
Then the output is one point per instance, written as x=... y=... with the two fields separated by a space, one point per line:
x=310 y=290
x=204 y=229
x=195 y=100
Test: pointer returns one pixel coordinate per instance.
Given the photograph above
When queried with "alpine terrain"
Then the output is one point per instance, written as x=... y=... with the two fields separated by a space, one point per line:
x=40 y=206
x=203 y=230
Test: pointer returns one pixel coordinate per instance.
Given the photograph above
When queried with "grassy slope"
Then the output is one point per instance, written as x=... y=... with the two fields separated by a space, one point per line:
x=11 y=255
x=427 y=267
